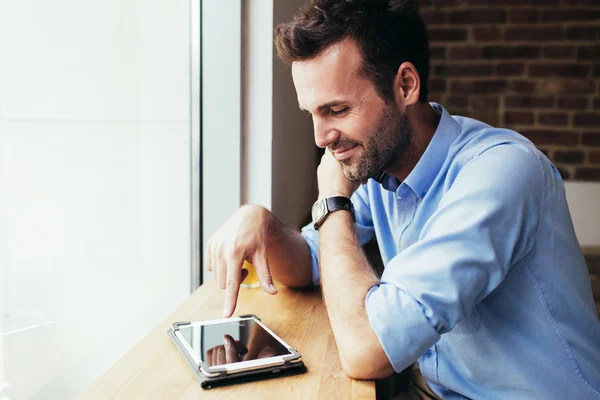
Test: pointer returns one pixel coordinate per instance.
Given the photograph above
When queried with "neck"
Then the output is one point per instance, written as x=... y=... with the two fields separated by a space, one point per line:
x=423 y=122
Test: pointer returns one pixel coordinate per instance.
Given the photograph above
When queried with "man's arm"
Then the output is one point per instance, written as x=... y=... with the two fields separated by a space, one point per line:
x=288 y=254
x=346 y=277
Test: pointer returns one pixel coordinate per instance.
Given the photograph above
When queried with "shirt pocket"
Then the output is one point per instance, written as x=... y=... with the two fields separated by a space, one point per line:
x=469 y=325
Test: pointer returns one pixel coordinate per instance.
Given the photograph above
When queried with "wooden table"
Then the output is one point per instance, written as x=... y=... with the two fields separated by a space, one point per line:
x=154 y=369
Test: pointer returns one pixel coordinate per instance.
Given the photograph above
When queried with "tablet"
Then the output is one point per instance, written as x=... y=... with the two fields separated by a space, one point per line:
x=225 y=349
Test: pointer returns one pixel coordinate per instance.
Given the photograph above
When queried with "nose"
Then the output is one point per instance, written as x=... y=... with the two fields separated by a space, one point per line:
x=325 y=134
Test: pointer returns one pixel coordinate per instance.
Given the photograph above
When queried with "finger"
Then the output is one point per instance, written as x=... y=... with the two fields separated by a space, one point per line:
x=221 y=270
x=221 y=359
x=231 y=354
x=214 y=356
x=267 y=352
x=209 y=355
x=207 y=258
x=261 y=263
x=213 y=261
x=232 y=284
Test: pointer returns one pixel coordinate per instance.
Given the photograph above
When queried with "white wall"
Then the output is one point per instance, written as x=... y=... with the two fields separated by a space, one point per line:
x=584 y=204
x=94 y=184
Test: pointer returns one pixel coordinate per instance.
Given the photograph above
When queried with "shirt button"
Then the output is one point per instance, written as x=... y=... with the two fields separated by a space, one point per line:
x=427 y=353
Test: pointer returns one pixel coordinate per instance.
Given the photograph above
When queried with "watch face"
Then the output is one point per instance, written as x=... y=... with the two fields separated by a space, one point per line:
x=319 y=209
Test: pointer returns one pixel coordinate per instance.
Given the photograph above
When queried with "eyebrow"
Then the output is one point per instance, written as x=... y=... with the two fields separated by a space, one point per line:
x=327 y=105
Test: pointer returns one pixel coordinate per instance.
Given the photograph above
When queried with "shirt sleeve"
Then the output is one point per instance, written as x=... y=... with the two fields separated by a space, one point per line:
x=364 y=229
x=485 y=222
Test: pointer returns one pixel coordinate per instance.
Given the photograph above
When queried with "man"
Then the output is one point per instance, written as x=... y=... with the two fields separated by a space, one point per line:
x=484 y=282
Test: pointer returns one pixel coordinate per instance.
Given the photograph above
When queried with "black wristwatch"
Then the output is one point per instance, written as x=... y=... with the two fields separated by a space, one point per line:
x=323 y=207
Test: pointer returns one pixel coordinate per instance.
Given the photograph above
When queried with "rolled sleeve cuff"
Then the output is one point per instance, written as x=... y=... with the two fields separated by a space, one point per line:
x=311 y=237
x=398 y=320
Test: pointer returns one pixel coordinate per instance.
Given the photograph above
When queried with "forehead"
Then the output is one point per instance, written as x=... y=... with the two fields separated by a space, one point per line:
x=334 y=72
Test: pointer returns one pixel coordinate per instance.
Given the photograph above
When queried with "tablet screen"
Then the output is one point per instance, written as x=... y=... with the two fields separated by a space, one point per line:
x=232 y=342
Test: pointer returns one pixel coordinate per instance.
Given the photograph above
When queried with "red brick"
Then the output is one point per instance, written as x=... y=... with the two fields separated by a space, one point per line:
x=595 y=157
x=479 y=86
x=573 y=103
x=569 y=157
x=565 y=175
x=548 y=137
x=529 y=102
x=597 y=103
x=563 y=14
x=553 y=118
x=566 y=86
x=588 y=53
x=457 y=111
x=447 y=3
x=586 y=120
x=477 y=16
x=591 y=139
x=433 y=17
x=456 y=102
x=437 y=53
x=435 y=97
x=585 y=32
x=483 y=103
x=518 y=118
x=581 y=3
x=510 y=69
x=504 y=52
x=447 y=34
x=487 y=33
x=489 y=117
x=464 y=70
x=523 y=16
x=533 y=34
x=522 y=86
x=587 y=174
x=496 y=2
x=437 y=85
x=559 y=70
x=559 y=51
x=465 y=53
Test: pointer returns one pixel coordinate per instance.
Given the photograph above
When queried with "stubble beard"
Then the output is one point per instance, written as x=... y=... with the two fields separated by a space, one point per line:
x=389 y=143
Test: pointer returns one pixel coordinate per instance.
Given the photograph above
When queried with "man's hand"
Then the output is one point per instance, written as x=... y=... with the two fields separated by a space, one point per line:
x=229 y=352
x=242 y=237
x=331 y=178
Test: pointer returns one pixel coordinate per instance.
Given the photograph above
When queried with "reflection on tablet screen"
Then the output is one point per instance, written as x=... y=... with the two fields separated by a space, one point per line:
x=232 y=342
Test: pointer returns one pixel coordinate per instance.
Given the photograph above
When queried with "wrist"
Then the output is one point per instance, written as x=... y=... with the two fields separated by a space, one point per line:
x=333 y=193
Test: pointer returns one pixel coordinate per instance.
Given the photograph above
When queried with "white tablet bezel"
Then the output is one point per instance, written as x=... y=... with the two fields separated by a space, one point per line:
x=239 y=366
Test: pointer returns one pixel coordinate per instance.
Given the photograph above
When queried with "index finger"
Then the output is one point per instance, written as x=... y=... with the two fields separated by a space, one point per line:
x=232 y=284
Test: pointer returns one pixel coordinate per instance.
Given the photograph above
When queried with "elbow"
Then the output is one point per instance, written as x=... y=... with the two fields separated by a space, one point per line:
x=366 y=365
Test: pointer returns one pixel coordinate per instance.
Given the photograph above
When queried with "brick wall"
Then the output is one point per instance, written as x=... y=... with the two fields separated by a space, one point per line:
x=529 y=65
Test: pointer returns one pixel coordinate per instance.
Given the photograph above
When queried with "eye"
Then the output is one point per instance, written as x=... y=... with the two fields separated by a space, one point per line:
x=338 y=112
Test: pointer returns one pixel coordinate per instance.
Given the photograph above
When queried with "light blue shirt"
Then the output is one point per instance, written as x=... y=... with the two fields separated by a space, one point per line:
x=484 y=282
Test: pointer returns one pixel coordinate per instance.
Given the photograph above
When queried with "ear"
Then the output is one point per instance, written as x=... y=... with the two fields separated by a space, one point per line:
x=407 y=85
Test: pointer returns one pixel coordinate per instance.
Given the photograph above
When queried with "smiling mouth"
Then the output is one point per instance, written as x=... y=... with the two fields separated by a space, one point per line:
x=344 y=153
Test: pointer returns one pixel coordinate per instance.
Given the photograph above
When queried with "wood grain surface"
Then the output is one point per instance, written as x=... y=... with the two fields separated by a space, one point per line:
x=153 y=369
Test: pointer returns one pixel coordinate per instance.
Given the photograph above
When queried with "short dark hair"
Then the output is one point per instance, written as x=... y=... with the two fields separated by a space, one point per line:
x=387 y=32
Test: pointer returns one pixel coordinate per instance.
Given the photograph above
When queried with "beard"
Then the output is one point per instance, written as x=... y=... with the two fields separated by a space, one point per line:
x=389 y=143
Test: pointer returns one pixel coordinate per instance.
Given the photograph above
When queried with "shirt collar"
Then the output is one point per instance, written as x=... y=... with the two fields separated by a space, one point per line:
x=430 y=163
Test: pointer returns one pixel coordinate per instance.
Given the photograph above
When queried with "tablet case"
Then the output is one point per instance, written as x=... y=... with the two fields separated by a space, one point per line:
x=225 y=378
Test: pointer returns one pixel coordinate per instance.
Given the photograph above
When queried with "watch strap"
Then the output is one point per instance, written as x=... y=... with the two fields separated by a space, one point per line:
x=335 y=204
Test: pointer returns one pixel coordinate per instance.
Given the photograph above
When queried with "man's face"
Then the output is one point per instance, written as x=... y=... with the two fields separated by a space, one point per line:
x=363 y=132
